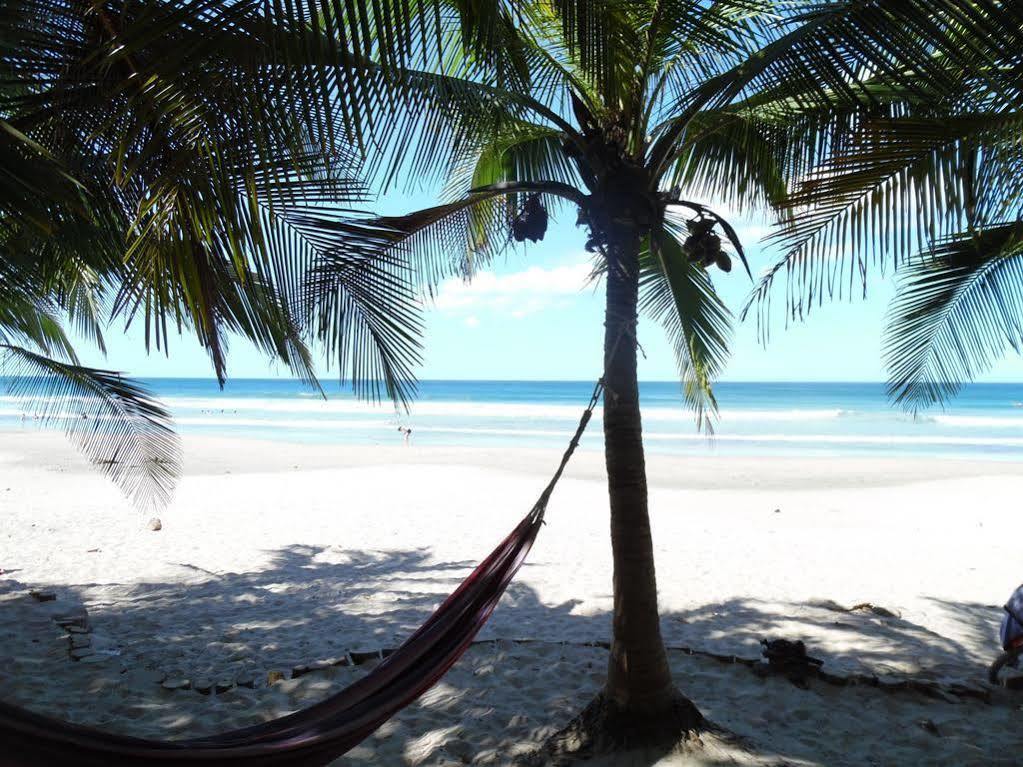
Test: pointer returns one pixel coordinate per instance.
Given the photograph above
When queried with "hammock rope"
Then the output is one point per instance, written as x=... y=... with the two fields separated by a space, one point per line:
x=545 y=496
x=326 y=730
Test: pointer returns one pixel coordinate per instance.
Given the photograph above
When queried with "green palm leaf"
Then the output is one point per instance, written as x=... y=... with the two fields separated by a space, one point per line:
x=364 y=295
x=361 y=302
x=29 y=319
x=952 y=51
x=193 y=130
x=680 y=296
x=114 y=421
x=956 y=312
x=900 y=184
x=732 y=159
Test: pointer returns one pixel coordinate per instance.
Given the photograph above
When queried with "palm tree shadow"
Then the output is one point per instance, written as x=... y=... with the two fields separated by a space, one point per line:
x=327 y=605
x=850 y=642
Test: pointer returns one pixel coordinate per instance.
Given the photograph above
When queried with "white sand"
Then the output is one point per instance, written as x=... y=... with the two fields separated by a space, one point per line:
x=273 y=556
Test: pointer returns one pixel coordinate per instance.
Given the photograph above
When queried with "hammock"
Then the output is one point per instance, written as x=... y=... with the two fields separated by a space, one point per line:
x=326 y=730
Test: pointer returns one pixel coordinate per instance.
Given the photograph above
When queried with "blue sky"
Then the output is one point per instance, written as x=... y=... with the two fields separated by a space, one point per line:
x=531 y=317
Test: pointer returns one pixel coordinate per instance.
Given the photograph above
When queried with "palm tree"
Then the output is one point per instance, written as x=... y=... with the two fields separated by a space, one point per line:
x=636 y=115
x=185 y=164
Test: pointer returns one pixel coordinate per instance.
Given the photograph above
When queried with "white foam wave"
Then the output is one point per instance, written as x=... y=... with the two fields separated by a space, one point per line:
x=285 y=423
x=497 y=432
x=353 y=407
x=51 y=415
x=664 y=438
x=305 y=412
x=653 y=436
x=846 y=439
x=469 y=409
x=376 y=425
x=979 y=421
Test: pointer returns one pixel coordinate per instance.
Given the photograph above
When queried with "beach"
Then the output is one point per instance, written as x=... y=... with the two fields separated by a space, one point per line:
x=276 y=560
x=304 y=309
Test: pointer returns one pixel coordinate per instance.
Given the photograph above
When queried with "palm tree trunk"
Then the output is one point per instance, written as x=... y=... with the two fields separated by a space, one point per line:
x=639 y=679
x=639 y=706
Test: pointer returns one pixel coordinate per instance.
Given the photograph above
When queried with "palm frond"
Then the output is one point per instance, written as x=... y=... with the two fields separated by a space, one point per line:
x=83 y=298
x=194 y=130
x=32 y=181
x=431 y=244
x=519 y=152
x=680 y=296
x=604 y=39
x=690 y=42
x=212 y=298
x=113 y=420
x=362 y=304
x=733 y=160
x=365 y=294
x=252 y=309
x=833 y=47
x=524 y=153
x=956 y=312
x=428 y=119
x=955 y=49
x=897 y=186
x=26 y=318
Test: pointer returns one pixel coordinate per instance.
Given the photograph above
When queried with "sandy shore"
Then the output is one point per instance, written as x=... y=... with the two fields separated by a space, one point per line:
x=277 y=556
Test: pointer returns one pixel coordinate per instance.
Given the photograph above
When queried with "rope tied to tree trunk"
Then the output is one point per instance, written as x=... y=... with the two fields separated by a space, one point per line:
x=627 y=325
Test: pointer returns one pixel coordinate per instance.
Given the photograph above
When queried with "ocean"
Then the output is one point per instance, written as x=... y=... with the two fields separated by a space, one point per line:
x=824 y=419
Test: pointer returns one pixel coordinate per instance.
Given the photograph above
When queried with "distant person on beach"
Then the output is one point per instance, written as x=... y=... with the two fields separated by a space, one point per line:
x=407 y=433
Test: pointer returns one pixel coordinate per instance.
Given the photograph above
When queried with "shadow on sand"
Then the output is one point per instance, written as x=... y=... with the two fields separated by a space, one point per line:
x=314 y=604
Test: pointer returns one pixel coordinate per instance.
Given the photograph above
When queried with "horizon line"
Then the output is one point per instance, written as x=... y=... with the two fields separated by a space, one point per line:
x=347 y=384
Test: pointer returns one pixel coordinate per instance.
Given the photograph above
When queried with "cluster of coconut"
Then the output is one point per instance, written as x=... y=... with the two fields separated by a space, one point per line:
x=531 y=222
x=704 y=247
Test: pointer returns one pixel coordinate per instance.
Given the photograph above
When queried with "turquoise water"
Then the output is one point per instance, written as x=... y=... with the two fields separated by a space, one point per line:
x=985 y=421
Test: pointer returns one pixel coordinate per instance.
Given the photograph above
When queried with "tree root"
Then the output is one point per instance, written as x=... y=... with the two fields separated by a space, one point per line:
x=604 y=728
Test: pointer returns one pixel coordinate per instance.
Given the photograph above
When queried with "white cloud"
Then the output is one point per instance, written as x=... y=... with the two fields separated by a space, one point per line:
x=472 y=321
x=517 y=293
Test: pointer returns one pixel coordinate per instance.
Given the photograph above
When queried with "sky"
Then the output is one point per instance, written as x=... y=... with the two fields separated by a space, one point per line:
x=531 y=316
